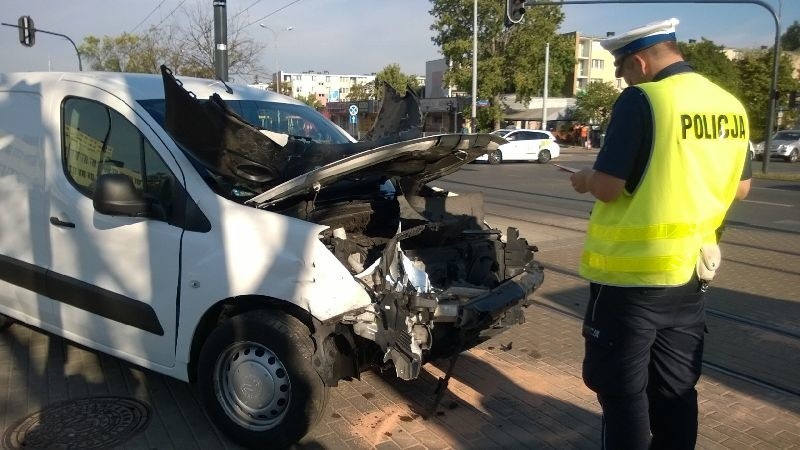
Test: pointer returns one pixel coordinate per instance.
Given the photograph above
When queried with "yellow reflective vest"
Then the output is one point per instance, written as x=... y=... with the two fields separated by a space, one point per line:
x=652 y=237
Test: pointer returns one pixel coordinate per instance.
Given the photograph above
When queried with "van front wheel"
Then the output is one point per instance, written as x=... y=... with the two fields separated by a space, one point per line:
x=256 y=380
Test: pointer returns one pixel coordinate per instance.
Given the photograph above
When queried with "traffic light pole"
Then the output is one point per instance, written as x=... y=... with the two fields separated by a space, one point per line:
x=473 y=123
x=773 y=97
x=39 y=30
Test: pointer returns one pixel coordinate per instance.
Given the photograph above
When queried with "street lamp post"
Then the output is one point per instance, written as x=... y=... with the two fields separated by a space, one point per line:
x=275 y=35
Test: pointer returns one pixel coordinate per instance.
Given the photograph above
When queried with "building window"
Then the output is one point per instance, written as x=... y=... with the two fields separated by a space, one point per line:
x=583 y=69
x=619 y=83
x=597 y=63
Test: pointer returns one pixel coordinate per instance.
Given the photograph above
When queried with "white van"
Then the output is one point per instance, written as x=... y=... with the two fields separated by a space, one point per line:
x=264 y=271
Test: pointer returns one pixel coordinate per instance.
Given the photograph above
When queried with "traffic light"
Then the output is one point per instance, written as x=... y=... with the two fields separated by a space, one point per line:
x=27 y=33
x=515 y=9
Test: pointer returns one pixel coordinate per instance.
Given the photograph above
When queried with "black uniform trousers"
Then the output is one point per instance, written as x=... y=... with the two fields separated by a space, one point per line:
x=644 y=351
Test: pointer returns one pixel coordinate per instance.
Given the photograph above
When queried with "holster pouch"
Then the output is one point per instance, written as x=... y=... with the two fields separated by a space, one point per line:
x=708 y=262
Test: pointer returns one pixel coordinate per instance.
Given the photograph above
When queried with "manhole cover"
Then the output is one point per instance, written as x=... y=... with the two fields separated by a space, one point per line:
x=94 y=422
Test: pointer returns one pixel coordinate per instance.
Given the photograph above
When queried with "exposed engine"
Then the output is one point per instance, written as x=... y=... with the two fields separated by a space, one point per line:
x=426 y=259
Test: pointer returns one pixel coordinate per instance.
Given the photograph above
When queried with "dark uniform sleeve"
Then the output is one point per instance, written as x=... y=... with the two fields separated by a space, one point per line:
x=629 y=136
x=747 y=170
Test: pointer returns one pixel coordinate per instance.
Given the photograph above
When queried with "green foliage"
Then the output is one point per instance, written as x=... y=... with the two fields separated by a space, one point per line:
x=790 y=40
x=311 y=100
x=593 y=105
x=708 y=60
x=509 y=60
x=361 y=91
x=124 y=53
x=755 y=73
x=286 y=88
x=392 y=76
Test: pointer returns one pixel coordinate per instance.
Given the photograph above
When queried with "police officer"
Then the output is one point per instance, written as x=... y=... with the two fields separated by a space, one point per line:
x=673 y=160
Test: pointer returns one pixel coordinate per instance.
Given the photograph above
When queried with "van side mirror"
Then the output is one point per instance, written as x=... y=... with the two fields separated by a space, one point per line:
x=116 y=195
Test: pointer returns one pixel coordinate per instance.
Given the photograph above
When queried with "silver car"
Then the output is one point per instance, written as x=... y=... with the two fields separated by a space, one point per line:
x=785 y=144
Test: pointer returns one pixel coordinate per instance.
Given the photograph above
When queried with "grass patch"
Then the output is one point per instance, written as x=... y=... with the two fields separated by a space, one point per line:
x=782 y=176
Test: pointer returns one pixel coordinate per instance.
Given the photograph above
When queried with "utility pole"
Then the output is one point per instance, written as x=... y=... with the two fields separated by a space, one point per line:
x=473 y=124
x=546 y=76
x=220 y=40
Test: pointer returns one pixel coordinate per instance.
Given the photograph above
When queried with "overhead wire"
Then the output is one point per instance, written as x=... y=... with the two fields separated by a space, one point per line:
x=245 y=10
x=170 y=13
x=147 y=16
x=271 y=14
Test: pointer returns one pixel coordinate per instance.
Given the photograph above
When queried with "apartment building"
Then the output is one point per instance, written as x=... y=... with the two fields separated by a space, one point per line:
x=328 y=87
x=593 y=63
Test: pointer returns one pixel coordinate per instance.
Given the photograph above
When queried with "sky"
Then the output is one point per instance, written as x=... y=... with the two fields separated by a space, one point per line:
x=352 y=36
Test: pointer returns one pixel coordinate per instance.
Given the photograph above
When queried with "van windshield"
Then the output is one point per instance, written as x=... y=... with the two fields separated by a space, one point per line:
x=286 y=118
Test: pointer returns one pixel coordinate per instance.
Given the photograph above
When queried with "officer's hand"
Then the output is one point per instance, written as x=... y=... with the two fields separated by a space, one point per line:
x=579 y=180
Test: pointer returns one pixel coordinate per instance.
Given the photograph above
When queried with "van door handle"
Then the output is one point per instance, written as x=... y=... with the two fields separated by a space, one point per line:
x=60 y=223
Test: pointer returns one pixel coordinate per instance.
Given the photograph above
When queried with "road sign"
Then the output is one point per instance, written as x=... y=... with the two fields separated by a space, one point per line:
x=354 y=119
x=353 y=109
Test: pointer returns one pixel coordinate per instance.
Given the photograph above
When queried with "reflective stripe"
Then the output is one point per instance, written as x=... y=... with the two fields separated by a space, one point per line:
x=633 y=264
x=651 y=232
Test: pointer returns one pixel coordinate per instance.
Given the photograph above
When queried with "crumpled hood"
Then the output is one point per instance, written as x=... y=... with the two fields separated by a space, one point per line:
x=226 y=144
x=413 y=163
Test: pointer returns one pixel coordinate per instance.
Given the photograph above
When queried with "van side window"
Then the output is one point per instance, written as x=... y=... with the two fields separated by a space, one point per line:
x=98 y=140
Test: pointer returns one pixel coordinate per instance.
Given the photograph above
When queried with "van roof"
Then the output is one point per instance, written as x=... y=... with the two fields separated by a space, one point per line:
x=139 y=86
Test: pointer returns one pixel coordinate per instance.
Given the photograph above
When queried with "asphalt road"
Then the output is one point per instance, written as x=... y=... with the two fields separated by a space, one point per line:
x=537 y=188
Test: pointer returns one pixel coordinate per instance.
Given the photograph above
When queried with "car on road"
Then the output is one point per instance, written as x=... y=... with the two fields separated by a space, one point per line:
x=523 y=145
x=237 y=239
x=785 y=144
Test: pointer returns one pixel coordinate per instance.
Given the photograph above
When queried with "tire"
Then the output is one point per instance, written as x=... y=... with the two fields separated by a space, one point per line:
x=544 y=156
x=792 y=157
x=5 y=322
x=256 y=379
x=495 y=157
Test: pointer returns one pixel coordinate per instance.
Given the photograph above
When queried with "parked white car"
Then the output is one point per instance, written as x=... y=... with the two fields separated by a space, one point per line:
x=785 y=144
x=523 y=145
x=235 y=238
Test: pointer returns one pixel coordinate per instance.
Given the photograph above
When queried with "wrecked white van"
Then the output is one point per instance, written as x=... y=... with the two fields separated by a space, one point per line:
x=236 y=238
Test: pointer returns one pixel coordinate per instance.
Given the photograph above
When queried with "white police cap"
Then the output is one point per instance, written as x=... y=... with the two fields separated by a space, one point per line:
x=640 y=38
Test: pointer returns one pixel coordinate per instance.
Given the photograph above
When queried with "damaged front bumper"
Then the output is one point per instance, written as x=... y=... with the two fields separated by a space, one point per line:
x=413 y=322
x=485 y=311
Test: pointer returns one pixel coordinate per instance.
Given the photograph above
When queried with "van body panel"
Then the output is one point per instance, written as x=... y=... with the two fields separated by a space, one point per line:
x=26 y=251
x=134 y=261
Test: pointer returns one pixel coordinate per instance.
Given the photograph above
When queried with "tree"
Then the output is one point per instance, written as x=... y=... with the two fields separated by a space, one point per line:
x=755 y=73
x=359 y=91
x=126 y=52
x=195 y=44
x=708 y=60
x=593 y=105
x=392 y=76
x=311 y=100
x=187 y=49
x=509 y=59
x=790 y=40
